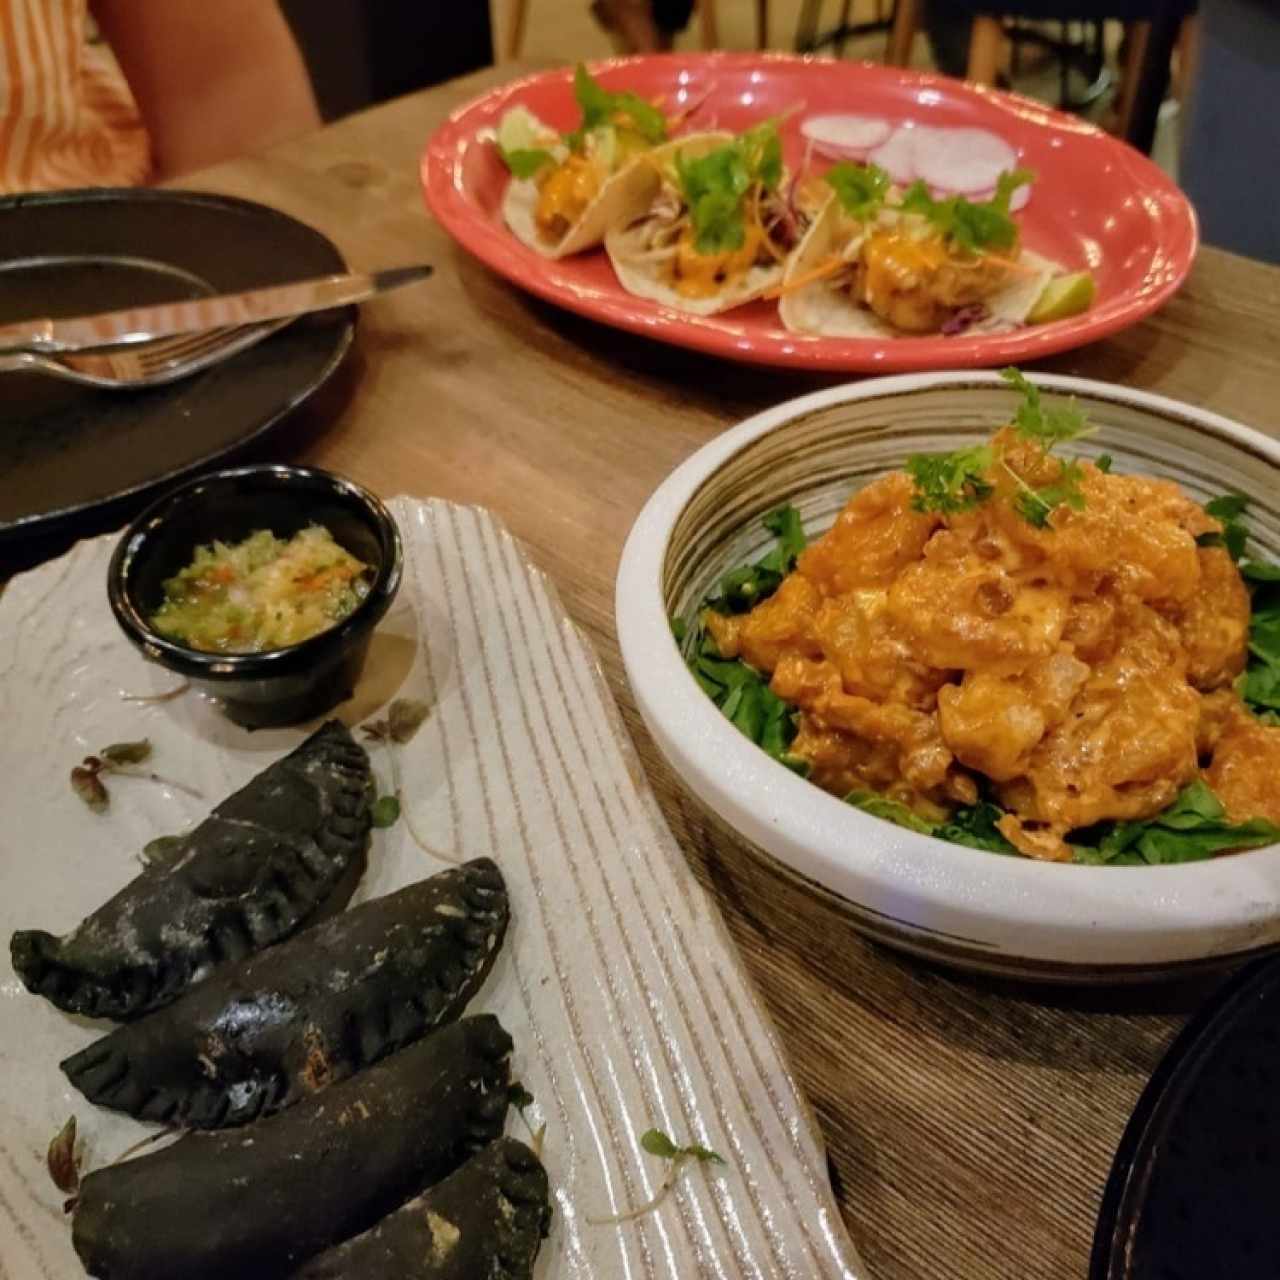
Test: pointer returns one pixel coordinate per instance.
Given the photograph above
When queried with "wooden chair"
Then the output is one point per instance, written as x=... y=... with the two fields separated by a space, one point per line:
x=988 y=46
x=508 y=38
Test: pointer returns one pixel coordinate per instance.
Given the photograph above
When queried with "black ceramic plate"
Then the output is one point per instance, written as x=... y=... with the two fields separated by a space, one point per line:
x=1195 y=1190
x=68 y=451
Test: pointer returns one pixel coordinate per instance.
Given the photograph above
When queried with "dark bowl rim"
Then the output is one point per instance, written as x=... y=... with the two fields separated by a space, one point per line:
x=40 y=523
x=199 y=664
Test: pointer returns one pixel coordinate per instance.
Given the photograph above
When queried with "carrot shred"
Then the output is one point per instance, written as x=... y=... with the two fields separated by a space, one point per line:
x=828 y=269
x=759 y=226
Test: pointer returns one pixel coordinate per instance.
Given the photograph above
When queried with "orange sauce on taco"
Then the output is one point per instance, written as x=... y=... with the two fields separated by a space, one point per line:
x=565 y=194
x=703 y=275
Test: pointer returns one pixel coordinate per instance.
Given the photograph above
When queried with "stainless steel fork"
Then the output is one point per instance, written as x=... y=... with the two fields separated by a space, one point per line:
x=150 y=365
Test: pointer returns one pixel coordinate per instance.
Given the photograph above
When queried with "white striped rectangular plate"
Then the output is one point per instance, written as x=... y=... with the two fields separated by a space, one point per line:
x=618 y=981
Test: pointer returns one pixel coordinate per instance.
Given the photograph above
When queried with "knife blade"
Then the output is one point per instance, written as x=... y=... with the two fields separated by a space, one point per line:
x=145 y=324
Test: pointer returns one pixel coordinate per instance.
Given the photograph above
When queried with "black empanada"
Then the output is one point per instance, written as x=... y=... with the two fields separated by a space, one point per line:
x=258 y=1202
x=266 y=861
x=255 y=1037
x=487 y=1220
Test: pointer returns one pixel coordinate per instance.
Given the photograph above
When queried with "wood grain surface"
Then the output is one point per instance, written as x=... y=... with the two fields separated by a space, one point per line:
x=970 y=1125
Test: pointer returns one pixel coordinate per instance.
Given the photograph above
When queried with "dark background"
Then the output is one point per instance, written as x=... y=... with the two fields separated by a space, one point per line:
x=364 y=51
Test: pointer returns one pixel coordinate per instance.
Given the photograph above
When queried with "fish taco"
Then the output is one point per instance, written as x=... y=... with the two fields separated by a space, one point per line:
x=715 y=229
x=566 y=190
x=879 y=262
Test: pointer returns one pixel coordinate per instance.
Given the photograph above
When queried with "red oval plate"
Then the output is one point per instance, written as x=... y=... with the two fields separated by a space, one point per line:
x=1097 y=203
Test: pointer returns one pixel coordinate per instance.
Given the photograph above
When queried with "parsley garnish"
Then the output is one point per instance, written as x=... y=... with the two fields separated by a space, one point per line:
x=741 y=692
x=743 y=588
x=714 y=186
x=1228 y=510
x=969 y=226
x=1260 y=684
x=1194 y=827
x=1046 y=425
x=890 y=810
x=386 y=811
x=949 y=483
x=600 y=108
x=746 y=700
x=1037 y=505
x=656 y=1143
x=975 y=827
x=861 y=188
x=524 y=162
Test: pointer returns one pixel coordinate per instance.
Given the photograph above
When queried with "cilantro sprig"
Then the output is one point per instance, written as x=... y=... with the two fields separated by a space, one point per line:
x=949 y=483
x=600 y=108
x=714 y=186
x=1045 y=424
x=657 y=1143
x=1035 y=506
x=525 y=162
x=971 y=226
x=860 y=188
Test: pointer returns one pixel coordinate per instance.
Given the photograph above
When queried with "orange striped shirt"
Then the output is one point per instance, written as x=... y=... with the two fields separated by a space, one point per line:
x=67 y=118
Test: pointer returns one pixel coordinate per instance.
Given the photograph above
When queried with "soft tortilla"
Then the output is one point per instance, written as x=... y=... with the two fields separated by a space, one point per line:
x=631 y=189
x=833 y=313
x=633 y=186
x=643 y=278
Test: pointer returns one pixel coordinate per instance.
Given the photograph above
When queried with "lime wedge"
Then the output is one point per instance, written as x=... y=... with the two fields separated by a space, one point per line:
x=1063 y=296
x=521 y=130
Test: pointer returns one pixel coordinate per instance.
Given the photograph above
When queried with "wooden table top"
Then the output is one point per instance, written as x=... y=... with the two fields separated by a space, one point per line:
x=970 y=1124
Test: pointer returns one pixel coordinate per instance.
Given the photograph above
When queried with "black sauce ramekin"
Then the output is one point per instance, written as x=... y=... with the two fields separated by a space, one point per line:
x=277 y=686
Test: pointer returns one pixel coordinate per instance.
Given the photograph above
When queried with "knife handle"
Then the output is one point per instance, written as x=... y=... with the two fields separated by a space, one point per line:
x=27 y=335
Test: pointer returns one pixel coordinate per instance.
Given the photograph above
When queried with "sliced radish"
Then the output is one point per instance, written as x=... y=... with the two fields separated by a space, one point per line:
x=962 y=160
x=845 y=137
x=896 y=155
x=1016 y=201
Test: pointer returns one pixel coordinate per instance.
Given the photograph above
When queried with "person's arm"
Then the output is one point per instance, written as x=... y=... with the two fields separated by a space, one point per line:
x=212 y=78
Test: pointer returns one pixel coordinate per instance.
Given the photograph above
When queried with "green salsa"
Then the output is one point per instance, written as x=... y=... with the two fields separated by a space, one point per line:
x=262 y=593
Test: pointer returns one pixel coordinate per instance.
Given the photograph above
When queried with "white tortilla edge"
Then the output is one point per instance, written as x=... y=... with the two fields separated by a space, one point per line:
x=644 y=280
x=630 y=189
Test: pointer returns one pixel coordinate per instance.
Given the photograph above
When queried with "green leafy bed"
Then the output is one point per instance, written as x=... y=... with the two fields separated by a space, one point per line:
x=1192 y=828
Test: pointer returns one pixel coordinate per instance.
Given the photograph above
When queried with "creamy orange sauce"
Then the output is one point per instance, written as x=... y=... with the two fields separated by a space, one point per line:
x=1245 y=768
x=1084 y=669
x=703 y=275
x=914 y=282
x=564 y=195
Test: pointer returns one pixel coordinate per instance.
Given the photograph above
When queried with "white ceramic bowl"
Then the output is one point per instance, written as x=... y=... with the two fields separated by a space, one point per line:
x=963 y=906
